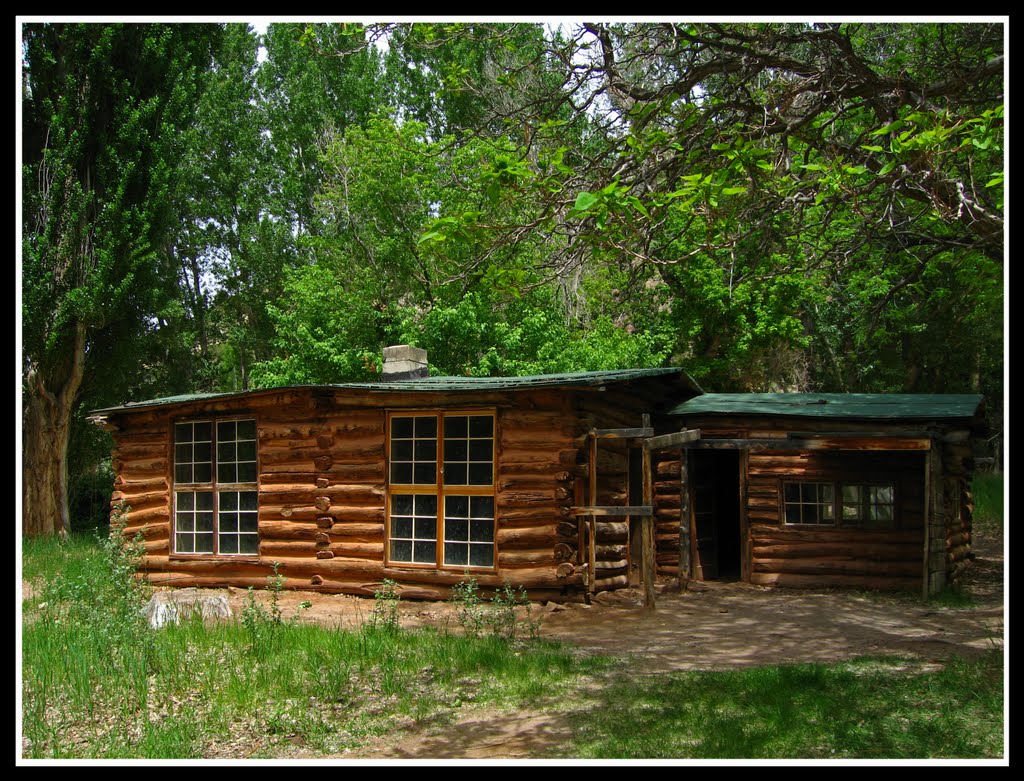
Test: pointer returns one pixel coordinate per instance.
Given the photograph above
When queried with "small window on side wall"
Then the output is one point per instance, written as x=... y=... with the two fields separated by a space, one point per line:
x=861 y=505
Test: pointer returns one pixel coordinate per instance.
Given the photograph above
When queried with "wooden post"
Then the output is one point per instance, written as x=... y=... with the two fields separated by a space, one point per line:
x=684 y=521
x=935 y=538
x=927 y=524
x=592 y=502
x=745 y=547
x=647 y=529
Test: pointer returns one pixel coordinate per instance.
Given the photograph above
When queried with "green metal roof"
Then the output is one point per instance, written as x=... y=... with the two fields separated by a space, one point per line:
x=834 y=405
x=436 y=385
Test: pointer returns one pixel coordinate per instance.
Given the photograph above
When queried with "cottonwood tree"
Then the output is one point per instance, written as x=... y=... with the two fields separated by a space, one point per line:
x=104 y=106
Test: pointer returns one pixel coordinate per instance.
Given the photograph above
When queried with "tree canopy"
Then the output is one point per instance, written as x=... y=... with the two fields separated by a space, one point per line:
x=773 y=206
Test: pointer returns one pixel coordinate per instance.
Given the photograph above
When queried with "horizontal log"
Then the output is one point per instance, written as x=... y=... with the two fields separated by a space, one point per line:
x=155 y=514
x=133 y=449
x=301 y=492
x=675 y=439
x=148 y=531
x=518 y=457
x=529 y=537
x=622 y=510
x=610 y=552
x=305 y=530
x=540 y=495
x=537 y=437
x=610 y=584
x=805 y=549
x=612 y=531
x=790 y=580
x=139 y=499
x=837 y=566
x=304 y=548
x=158 y=483
x=668 y=468
x=345 y=474
x=277 y=456
x=340 y=513
x=515 y=559
x=764 y=534
x=958 y=553
x=528 y=516
x=603 y=565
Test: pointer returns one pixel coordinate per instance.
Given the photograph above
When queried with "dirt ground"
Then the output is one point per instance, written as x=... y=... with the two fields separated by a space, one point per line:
x=708 y=626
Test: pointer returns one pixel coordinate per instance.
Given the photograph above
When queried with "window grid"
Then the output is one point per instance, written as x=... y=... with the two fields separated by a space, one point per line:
x=835 y=504
x=215 y=501
x=458 y=528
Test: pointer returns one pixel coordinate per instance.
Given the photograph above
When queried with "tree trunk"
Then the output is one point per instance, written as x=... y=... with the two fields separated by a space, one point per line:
x=47 y=428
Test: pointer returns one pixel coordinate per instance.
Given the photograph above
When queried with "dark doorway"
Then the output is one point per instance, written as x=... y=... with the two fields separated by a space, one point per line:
x=715 y=494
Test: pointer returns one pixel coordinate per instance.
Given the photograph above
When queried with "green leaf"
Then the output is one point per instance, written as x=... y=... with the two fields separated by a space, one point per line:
x=887 y=168
x=584 y=201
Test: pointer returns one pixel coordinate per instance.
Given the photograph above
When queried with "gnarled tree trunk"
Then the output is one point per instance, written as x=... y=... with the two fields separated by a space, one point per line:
x=49 y=406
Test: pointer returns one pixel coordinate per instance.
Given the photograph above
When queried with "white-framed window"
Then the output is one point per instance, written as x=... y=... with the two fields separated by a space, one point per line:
x=216 y=496
x=867 y=505
x=441 y=489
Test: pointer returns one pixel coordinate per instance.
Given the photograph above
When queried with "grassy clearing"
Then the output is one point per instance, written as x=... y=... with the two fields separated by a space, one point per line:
x=98 y=682
x=868 y=708
x=987 y=488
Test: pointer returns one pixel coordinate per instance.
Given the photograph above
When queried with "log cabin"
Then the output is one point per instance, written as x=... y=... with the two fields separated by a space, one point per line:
x=821 y=489
x=420 y=480
x=563 y=484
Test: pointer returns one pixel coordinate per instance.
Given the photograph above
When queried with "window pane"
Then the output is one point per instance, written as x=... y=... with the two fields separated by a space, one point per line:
x=481 y=530
x=401 y=505
x=226 y=451
x=204 y=500
x=481 y=426
x=401 y=527
x=426 y=450
x=425 y=552
x=481 y=555
x=455 y=474
x=248 y=500
x=229 y=522
x=401 y=474
x=483 y=507
x=182 y=432
x=248 y=522
x=204 y=521
x=247 y=472
x=247 y=429
x=401 y=427
x=183 y=473
x=426 y=505
x=425 y=528
x=851 y=493
x=401 y=450
x=426 y=427
x=246 y=451
x=456 y=450
x=456 y=507
x=228 y=543
x=249 y=543
x=480 y=449
x=202 y=451
x=202 y=432
x=182 y=453
x=456 y=554
x=225 y=430
x=227 y=473
x=228 y=500
x=425 y=474
x=456 y=529
x=479 y=474
x=401 y=550
x=204 y=543
x=455 y=426
x=186 y=501
x=202 y=473
x=183 y=543
x=792 y=492
x=185 y=522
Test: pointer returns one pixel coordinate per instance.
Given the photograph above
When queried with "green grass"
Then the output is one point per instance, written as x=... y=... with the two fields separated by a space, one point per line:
x=99 y=683
x=868 y=708
x=987 y=488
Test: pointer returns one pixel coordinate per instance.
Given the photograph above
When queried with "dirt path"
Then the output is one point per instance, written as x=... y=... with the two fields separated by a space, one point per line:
x=709 y=626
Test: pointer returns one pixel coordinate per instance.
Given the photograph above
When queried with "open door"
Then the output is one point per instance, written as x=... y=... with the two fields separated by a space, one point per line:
x=715 y=494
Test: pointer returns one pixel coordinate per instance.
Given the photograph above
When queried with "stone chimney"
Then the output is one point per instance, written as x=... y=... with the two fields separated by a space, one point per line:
x=403 y=362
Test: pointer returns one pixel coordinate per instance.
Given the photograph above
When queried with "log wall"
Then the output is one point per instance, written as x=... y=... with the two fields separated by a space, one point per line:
x=323 y=493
